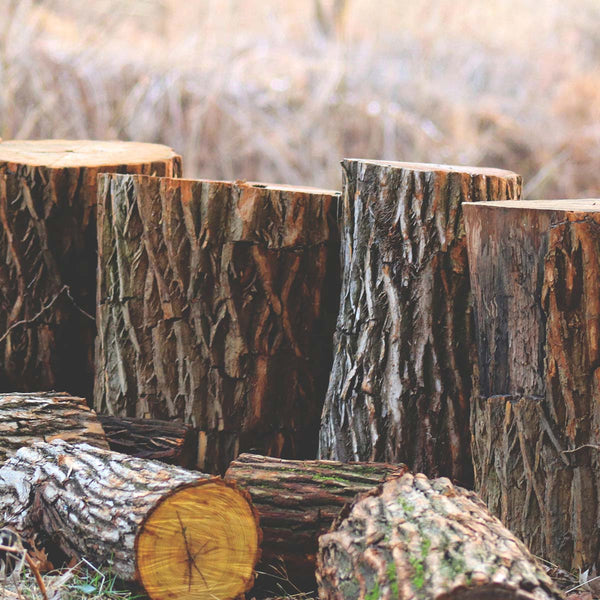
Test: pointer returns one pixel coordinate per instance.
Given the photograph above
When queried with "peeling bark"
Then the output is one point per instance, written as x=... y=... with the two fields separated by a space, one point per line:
x=180 y=534
x=49 y=257
x=417 y=538
x=297 y=501
x=535 y=268
x=216 y=307
x=404 y=345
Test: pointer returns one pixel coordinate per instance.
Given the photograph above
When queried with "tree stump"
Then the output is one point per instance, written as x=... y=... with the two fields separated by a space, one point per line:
x=416 y=538
x=179 y=534
x=49 y=255
x=297 y=501
x=45 y=416
x=173 y=443
x=217 y=306
x=535 y=268
x=404 y=346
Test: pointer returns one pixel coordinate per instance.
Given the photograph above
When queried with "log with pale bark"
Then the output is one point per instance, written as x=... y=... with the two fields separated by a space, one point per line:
x=418 y=538
x=535 y=268
x=297 y=501
x=404 y=346
x=27 y=418
x=49 y=257
x=216 y=307
x=179 y=534
x=170 y=442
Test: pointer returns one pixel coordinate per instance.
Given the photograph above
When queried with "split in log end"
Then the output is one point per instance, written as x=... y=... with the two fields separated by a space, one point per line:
x=201 y=541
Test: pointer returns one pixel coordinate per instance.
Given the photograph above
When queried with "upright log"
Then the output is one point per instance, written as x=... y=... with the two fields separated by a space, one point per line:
x=216 y=307
x=416 y=538
x=535 y=268
x=404 y=347
x=297 y=501
x=48 y=249
x=173 y=443
x=179 y=534
x=45 y=416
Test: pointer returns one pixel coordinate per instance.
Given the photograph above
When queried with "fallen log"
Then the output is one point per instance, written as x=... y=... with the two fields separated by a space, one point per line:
x=45 y=416
x=419 y=538
x=297 y=501
x=180 y=534
x=404 y=351
x=216 y=307
x=49 y=255
x=535 y=268
x=169 y=442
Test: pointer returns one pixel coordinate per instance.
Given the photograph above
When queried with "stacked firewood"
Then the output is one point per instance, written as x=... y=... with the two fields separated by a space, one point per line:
x=293 y=374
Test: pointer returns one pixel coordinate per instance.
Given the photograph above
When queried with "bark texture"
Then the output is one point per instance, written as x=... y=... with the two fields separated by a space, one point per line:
x=404 y=344
x=419 y=538
x=48 y=255
x=45 y=416
x=297 y=501
x=172 y=443
x=535 y=268
x=216 y=306
x=180 y=534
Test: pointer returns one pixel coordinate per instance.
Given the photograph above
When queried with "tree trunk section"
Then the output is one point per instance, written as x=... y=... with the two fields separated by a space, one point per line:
x=419 y=538
x=404 y=344
x=172 y=443
x=216 y=307
x=535 y=268
x=29 y=418
x=177 y=533
x=297 y=501
x=49 y=255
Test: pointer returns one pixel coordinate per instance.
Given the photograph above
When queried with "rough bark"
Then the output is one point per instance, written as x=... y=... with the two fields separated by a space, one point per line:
x=172 y=443
x=404 y=346
x=297 y=501
x=535 y=268
x=45 y=416
x=48 y=249
x=419 y=538
x=216 y=307
x=179 y=534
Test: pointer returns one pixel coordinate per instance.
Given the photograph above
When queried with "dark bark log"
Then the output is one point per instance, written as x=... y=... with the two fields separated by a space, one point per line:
x=29 y=418
x=49 y=255
x=404 y=345
x=169 y=442
x=297 y=501
x=179 y=534
x=419 y=538
x=535 y=268
x=216 y=307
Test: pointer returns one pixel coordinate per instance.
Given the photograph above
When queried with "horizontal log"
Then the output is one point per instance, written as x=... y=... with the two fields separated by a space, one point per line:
x=27 y=418
x=180 y=534
x=170 y=442
x=297 y=501
x=419 y=538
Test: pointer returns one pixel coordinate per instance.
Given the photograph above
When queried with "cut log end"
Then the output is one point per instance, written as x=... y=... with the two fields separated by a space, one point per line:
x=60 y=154
x=199 y=542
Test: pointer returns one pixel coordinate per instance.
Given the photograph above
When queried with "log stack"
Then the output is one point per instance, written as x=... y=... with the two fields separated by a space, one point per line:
x=216 y=306
x=179 y=534
x=404 y=347
x=535 y=268
x=49 y=255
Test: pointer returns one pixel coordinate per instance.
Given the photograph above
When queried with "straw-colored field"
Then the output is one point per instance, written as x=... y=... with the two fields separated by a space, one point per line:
x=281 y=90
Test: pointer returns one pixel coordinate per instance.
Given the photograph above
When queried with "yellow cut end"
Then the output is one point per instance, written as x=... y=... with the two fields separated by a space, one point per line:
x=200 y=542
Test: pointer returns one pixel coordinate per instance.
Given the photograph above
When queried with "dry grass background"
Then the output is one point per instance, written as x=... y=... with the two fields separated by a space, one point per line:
x=280 y=90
